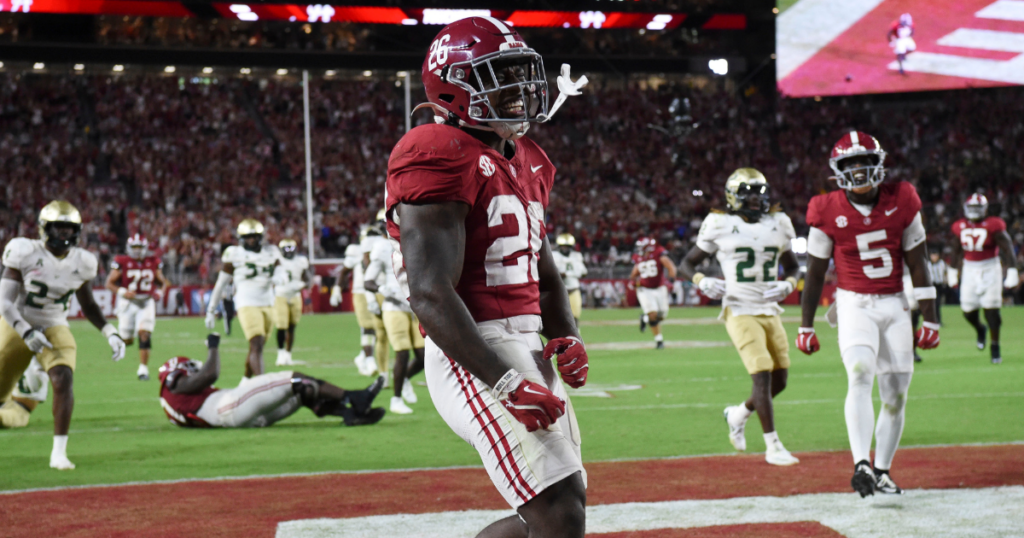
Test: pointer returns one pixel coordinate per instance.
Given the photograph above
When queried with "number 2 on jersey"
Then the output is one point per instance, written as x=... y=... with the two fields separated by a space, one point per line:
x=526 y=242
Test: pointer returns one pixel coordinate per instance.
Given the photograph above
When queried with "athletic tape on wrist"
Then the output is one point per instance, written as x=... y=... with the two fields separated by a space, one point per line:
x=507 y=383
x=805 y=330
x=792 y=281
x=925 y=293
x=108 y=330
x=697 y=277
x=930 y=325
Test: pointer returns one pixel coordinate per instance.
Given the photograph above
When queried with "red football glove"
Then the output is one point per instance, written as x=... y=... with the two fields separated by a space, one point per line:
x=573 y=363
x=927 y=337
x=530 y=403
x=807 y=341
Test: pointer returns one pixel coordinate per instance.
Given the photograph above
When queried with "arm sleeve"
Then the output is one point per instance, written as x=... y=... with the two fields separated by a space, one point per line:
x=9 y=291
x=373 y=270
x=707 y=234
x=218 y=291
x=914 y=234
x=90 y=266
x=819 y=245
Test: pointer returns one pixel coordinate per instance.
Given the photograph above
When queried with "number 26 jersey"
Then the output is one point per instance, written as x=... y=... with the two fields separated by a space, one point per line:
x=868 y=250
x=47 y=282
x=253 y=276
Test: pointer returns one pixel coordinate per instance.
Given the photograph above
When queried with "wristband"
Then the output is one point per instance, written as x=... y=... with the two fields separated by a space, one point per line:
x=507 y=383
x=697 y=277
x=108 y=330
x=792 y=281
x=925 y=293
x=930 y=325
x=805 y=330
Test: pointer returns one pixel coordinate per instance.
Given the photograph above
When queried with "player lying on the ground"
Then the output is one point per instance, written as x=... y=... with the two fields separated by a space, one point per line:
x=290 y=277
x=750 y=241
x=870 y=228
x=189 y=398
x=983 y=243
x=465 y=201
x=131 y=278
x=651 y=265
x=40 y=276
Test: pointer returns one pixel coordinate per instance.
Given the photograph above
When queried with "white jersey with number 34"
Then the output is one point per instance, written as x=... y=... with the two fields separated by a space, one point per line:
x=253 y=274
x=47 y=282
x=749 y=254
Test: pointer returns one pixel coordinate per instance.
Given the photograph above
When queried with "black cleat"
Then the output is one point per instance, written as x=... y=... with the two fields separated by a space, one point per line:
x=361 y=400
x=372 y=416
x=643 y=323
x=917 y=358
x=884 y=483
x=981 y=337
x=863 y=480
x=661 y=345
x=143 y=377
x=997 y=357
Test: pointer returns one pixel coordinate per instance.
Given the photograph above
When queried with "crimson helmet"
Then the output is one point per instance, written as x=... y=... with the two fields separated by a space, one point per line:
x=137 y=246
x=856 y=144
x=645 y=245
x=976 y=207
x=459 y=76
x=177 y=366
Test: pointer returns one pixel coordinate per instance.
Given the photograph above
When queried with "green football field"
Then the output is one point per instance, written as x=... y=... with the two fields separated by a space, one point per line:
x=639 y=403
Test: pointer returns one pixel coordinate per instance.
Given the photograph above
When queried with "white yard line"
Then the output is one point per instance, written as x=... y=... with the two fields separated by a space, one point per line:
x=809 y=25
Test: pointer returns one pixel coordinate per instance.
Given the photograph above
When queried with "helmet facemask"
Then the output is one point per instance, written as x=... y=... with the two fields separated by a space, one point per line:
x=252 y=242
x=975 y=211
x=486 y=79
x=866 y=174
x=743 y=193
x=61 y=236
x=137 y=248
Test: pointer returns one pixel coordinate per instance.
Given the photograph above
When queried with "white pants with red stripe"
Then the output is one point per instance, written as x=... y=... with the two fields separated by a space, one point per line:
x=520 y=464
x=257 y=403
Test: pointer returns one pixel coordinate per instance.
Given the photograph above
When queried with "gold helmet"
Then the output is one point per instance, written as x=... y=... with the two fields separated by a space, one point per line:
x=741 y=184
x=382 y=214
x=59 y=212
x=566 y=240
x=250 y=232
x=288 y=248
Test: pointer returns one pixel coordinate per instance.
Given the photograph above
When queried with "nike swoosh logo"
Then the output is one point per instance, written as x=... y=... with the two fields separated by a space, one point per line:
x=527 y=389
x=535 y=168
x=891 y=211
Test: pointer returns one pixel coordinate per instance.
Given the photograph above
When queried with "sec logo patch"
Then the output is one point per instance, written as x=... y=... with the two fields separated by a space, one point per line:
x=486 y=166
x=841 y=221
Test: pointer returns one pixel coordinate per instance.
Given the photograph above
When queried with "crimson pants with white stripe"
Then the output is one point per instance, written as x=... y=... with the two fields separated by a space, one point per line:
x=521 y=464
x=259 y=402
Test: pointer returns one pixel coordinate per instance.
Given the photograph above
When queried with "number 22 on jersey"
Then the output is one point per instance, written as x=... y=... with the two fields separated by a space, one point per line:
x=767 y=271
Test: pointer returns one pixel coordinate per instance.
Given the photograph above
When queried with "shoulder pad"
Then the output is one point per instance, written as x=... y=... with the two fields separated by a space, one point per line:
x=16 y=251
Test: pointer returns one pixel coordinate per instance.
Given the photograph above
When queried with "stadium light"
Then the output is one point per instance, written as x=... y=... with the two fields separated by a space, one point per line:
x=367 y=73
x=1 y=65
x=38 y=65
x=402 y=74
x=329 y=72
x=207 y=70
x=118 y=68
x=799 y=245
x=410 y=22
x=698 y=192
x=282 y=71
x=719 y=66
x=79 y=67
x=169 y=69
x=245 y=70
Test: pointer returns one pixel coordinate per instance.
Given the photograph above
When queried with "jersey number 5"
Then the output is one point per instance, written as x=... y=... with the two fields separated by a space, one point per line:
x=973 y=239
x=867 y=253
x=513 y=259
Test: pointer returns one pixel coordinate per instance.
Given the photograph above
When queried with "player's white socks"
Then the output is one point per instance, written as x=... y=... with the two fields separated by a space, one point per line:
x=58 y=456
x=771 y=438
x=659 y=338
x=893 y=390
x=742 y=412
x=367 y=340
x=860 y=410
x=142 y=371
x=646 y=319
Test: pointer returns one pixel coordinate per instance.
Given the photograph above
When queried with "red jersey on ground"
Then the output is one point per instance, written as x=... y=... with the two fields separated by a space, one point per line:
x=868 y=251
x=137 y=275
x=978 y=239
x=505 y=224
x=648 y=263
x=181 y=409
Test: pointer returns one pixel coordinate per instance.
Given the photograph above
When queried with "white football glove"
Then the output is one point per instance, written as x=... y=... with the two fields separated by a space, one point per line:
x=1012 y=278
x=778 y=291
x=712 y=288
x=952 y=277
x=335 y=296
x=211 y=320
x=372 y=305
x=116 y=346
x=280 y=280
x=36 y=340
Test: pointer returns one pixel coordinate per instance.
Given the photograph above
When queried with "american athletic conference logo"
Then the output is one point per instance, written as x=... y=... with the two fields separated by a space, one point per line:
x=841 y=221
x=486 y=166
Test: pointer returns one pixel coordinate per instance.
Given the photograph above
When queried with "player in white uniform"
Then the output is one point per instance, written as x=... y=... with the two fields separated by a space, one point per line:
x=353 y=264
x=39 y=278
x=290 y=277
x=571 y=268
x=374 y=235
x=750 y=242
x=250 y=267
x=403 y=328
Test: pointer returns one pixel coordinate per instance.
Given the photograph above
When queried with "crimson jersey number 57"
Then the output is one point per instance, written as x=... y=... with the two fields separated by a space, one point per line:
x=513 y=259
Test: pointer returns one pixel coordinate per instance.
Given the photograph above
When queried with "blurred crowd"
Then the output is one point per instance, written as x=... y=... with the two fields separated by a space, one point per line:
x=182 y=160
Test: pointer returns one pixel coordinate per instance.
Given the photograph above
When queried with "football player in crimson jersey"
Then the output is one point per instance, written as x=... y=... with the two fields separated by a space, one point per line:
x=190 y=400
x=650 y=264
x=133 y=278
x=982 y=242
x=870 y=228
x=465 y=203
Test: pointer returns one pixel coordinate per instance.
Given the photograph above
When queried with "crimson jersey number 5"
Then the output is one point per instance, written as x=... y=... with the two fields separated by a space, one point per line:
x=513 y=259
x=864 y=241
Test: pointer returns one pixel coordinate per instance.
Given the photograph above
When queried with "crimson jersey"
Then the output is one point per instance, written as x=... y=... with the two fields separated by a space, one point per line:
x=652 y=272
x=868 y=251
x=978 y=239
x=137 y=275
x=181 y=409
x=505 y=224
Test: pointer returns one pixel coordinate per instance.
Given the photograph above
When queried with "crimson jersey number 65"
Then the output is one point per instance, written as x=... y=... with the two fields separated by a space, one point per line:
x=513 y=259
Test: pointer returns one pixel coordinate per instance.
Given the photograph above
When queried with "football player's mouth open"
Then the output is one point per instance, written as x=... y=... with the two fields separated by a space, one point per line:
x=513 y=108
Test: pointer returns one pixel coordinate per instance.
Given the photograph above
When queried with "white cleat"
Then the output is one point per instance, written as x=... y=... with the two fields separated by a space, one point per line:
x=142 y=372
x=284 y=358
x=408 y=394
x=737 y=421
x=366 y=365
x=776 y=454
x=398 y=407
x=61 y=462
